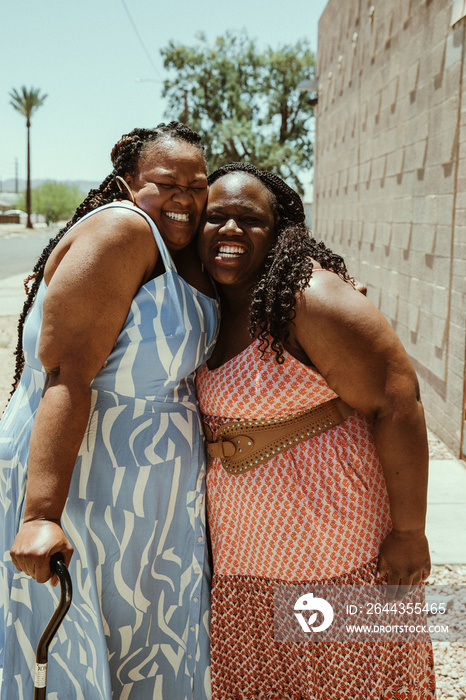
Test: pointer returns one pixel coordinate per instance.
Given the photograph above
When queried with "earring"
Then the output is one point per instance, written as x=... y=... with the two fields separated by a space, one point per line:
x=128 y=189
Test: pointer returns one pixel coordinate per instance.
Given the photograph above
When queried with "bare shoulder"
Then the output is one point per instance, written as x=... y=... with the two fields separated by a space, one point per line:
x=114 y=222
x=328 y=296
x=332 y=317
x=339 y=328
x=108 y=257
x=112 y=234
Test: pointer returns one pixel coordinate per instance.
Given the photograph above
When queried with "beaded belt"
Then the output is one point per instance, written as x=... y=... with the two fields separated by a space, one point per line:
x=244 y=445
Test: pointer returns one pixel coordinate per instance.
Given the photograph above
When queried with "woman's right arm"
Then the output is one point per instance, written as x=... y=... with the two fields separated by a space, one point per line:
x=85 y=306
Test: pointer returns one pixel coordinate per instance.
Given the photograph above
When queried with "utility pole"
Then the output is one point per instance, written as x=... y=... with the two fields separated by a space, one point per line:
x=16 y=176
x=28 y=187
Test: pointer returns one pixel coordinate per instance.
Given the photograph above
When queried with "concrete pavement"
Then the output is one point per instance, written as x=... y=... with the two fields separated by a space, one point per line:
x=446 y=517
x=446 y=511
x=12 y=295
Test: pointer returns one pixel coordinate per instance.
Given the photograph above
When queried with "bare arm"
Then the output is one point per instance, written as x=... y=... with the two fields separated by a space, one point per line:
x=91 y=283
x=355 y=349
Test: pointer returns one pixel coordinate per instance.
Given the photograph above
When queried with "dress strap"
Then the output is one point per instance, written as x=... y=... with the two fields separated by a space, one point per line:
x=164 y=253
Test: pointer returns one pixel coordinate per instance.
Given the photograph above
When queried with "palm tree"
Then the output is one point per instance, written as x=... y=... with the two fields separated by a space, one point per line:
x=26 y=102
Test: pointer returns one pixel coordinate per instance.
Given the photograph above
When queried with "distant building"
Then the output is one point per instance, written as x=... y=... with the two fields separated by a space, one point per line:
x=390 y=178
x=7 y=200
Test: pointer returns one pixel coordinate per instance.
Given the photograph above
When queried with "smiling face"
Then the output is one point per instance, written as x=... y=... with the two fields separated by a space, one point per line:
x=171 y=186
x=239 y=229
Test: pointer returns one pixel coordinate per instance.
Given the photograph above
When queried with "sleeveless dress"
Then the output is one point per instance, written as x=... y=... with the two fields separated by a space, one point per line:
x=138 y=626
x=317 y=512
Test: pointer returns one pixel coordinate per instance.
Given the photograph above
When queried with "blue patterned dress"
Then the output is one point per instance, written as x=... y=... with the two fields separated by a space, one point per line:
x=138 y=626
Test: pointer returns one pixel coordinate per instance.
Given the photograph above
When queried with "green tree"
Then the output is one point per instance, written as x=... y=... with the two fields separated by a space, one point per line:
x=244 y=103
x=57 y=201
x=26 y=102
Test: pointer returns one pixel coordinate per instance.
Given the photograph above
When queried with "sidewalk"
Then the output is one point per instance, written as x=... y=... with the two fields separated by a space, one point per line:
x=14 y=229
x=446 y=515
x=446 y=511
x=12 y=295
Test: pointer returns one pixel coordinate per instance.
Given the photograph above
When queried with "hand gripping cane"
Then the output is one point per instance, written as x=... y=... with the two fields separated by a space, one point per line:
x=57 y=565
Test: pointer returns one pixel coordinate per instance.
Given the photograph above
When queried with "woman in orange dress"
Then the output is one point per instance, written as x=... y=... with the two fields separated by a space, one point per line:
x=346 y=506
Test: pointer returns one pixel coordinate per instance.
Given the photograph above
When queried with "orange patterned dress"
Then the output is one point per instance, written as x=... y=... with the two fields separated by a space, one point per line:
x=318 y=511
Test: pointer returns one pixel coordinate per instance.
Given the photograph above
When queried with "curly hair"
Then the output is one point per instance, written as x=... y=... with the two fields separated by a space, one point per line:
x=125 y=157
x=288 y=267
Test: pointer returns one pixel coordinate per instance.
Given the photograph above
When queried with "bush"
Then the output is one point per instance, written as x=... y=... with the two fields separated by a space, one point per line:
x=56 y=201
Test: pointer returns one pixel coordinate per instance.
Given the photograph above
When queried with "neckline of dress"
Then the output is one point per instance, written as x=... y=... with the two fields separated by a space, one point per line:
x=164 y=274
x=288 y=355
x=174 y=272
x=166 y=255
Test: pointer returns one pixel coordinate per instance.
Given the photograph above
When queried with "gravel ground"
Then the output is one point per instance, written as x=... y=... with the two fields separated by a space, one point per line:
x=450 y=658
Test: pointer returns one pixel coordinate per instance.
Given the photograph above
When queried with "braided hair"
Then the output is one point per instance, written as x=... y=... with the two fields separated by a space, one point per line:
x=288 y=266
x=125 y=156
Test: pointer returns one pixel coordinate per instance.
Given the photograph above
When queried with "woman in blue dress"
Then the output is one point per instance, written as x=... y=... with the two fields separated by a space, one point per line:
x=101 y=454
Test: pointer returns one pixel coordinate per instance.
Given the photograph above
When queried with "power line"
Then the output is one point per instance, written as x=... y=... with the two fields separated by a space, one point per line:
x=140 y=40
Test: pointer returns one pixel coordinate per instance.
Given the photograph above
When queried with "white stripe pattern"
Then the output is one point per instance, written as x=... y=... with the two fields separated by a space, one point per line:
x=136 y=629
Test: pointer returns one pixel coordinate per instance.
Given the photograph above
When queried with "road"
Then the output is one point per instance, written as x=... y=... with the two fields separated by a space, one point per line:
x=20 y=251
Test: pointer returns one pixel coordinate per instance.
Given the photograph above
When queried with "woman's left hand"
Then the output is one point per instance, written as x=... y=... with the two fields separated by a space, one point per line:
x=404 y=556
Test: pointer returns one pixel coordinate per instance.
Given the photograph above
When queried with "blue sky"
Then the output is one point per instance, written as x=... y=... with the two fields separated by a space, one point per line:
x=87 y=57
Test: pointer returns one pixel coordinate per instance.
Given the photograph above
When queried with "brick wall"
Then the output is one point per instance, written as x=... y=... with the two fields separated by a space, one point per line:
x=390 y=178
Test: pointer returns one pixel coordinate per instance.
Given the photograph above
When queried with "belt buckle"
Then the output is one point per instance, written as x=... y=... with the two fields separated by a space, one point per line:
x=243 y=445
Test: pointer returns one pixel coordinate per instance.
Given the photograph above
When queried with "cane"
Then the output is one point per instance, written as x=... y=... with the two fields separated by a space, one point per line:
x=57 y=565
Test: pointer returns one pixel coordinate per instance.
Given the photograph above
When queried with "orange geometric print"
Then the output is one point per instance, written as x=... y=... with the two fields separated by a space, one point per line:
x=249 y=662
x=317 y=510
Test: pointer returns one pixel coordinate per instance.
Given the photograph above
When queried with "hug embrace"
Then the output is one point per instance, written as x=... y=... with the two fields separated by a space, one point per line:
x=102 y=454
